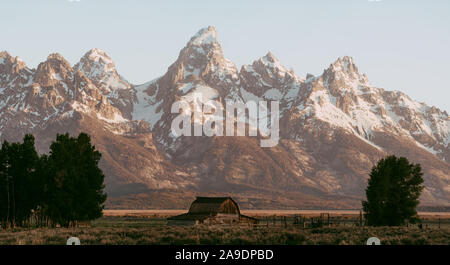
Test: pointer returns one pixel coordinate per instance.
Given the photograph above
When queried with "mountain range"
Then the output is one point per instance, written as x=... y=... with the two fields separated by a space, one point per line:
x=333 y=128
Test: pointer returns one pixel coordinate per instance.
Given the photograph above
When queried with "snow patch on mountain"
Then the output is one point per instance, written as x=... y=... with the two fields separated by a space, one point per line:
x=147 y=108
x=273 y=94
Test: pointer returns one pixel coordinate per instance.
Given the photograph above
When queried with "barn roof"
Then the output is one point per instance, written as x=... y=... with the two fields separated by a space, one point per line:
x=210 y=205
x=211 y=199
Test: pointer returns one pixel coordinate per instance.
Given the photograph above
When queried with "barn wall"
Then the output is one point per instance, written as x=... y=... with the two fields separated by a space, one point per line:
x=227 y=218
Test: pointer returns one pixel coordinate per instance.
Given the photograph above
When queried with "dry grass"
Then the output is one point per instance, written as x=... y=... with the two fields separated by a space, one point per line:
x=132 y=231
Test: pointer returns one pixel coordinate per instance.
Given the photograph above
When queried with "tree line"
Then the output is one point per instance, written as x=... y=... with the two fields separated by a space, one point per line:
x=60 y=188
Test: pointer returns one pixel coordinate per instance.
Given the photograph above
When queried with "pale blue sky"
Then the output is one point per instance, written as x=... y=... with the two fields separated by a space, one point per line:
x=401 y=45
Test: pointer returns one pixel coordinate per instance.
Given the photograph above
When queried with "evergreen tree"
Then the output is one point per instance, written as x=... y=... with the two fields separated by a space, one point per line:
x=393 y=192
x=4 y=186
x=41 y=184
x=75 y=185
x=61 y=188
x=18 y=181
x=23 y=161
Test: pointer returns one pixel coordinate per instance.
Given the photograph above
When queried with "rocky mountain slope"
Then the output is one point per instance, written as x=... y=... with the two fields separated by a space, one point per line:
x=333 y=128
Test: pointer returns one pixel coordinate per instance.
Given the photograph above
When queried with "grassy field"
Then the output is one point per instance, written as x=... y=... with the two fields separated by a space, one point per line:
x=132 y=228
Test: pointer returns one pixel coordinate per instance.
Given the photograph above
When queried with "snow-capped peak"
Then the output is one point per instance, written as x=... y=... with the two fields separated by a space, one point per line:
x=98 y=58
x=203 y=57
x=205 y=36
x=4 y=55
x=100 y=68
x=344 y=64
x=96 y=55
x=203 y=45
x=345 y=70
x=270 y=61
x=270 y=57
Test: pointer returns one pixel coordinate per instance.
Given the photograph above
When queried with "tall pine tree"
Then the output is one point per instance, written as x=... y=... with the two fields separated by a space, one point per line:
x=4 y=186
x=19 y=187
x=393 y=192
x=75 y=187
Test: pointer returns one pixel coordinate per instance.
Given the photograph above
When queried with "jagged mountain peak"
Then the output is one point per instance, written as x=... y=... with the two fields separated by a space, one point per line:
x=205 y=36
x=100 y=68
x=55 y=69
x=55 y=61
x=97 y=56
x=4 y=54
x=14 y=73
x=272 y=68
x=344 y=64
x=56 y=56
x=345 y=69
x=268 y=79
x=272 y=62
x=203 y=45
x=270 y=57
x=14 y=61
x=202 y=58
x=345 y=59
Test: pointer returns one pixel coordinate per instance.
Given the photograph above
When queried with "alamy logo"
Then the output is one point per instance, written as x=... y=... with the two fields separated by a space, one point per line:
x=207 y=117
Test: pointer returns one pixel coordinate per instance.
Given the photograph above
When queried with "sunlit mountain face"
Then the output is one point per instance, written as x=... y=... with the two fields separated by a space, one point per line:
x=333 y=128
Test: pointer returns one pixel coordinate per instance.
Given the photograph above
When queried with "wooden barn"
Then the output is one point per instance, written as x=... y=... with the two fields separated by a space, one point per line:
x=212 y=210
